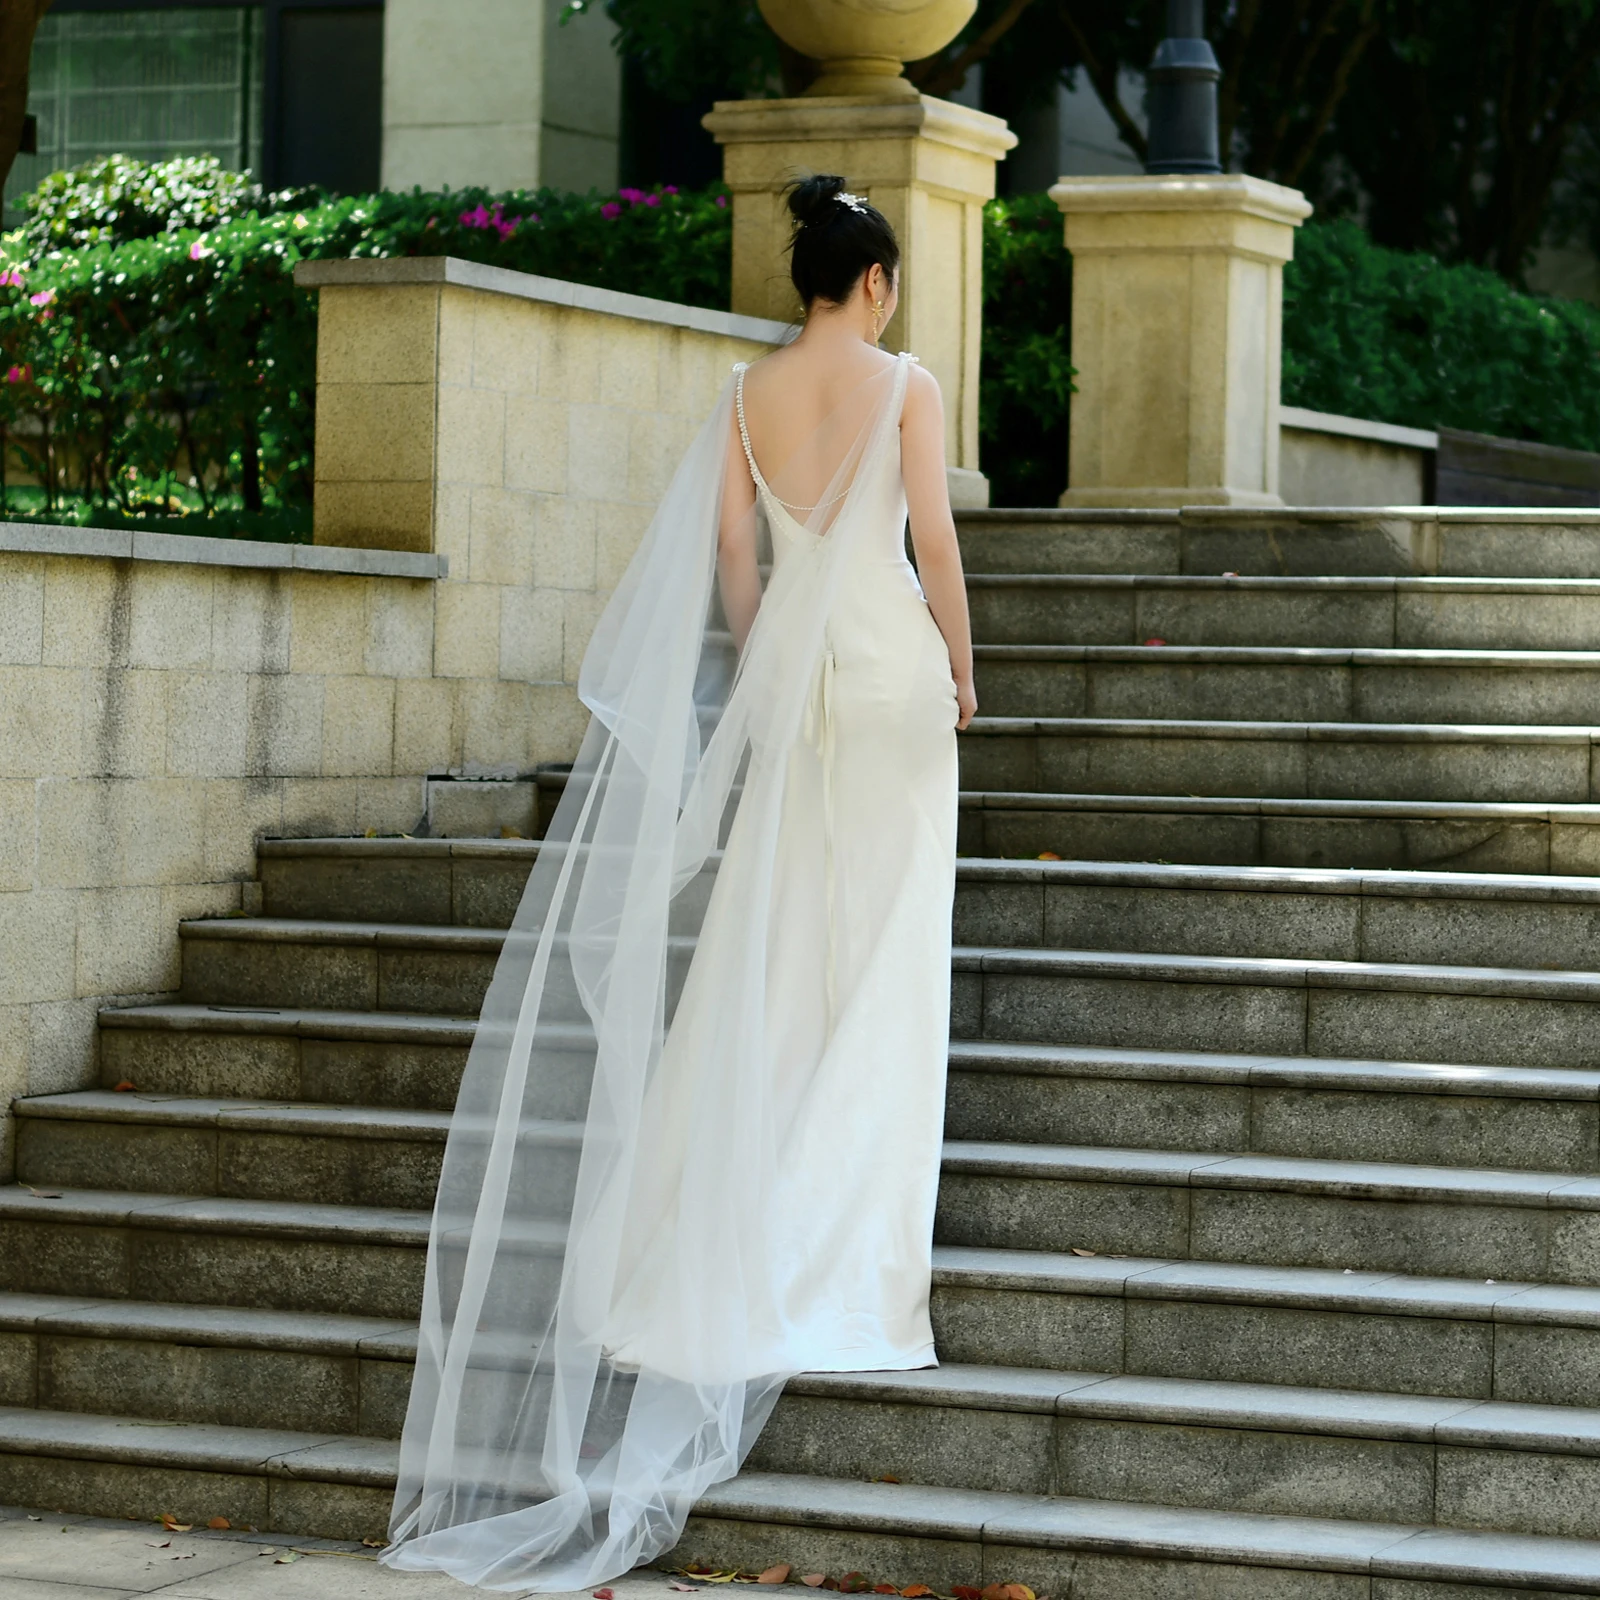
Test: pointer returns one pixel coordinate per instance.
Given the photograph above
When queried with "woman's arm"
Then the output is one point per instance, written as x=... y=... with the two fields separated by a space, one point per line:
x=933 y=529
x=737 y=574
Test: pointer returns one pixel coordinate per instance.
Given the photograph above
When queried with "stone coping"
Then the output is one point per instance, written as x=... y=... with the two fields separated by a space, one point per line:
x=124 y=544
x=1303 y=421
x=386 y=271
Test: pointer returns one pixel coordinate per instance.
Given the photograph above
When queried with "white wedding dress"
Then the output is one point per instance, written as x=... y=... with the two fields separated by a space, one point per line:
x=697 y=1145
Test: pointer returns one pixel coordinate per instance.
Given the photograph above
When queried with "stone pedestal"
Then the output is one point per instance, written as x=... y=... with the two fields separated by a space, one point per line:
x=1177 y=314
x=928 y=165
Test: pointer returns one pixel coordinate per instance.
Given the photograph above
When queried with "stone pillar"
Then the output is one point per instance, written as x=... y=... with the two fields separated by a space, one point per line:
x=1177 y=318
x=928 y=165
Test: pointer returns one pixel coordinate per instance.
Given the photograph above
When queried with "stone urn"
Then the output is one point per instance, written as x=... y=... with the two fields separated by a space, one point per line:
x=862 y=44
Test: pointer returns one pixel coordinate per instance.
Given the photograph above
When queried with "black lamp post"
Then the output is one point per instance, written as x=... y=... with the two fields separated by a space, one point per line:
x=1183 y=95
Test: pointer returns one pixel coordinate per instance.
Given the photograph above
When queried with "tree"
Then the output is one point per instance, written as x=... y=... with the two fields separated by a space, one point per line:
x=19 y=21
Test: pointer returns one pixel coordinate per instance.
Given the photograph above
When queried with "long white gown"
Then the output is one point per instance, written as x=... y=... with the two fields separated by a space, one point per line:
x=696 y=1149
x=858 y=987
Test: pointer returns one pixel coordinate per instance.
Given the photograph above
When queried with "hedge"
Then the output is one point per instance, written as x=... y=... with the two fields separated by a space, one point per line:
x=161 y=368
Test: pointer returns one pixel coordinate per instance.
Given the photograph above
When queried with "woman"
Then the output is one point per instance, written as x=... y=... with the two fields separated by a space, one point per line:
x=696 y=1146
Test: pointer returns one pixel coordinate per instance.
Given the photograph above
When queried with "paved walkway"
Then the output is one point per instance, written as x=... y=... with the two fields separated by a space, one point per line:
x=47 y=1557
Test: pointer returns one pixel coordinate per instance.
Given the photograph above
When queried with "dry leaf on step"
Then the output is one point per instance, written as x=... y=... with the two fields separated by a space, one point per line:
x=1078 y=1252
x=172 y=1525
x=219 y=1523
x=777 y=1574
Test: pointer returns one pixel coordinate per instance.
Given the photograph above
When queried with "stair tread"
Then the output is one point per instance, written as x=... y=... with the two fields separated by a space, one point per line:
x=1363 y=1290
x=1285 y=806
x=325 y=1332
x=198 y=1446
x=1296 y=731
x=1313 y=1072
x=383 y=1026
x=266 y=1116
x=1294 y=655
x=1111 y=1527
x=1281 y=1174
x=1282 y=972
x=1309 y=583
x=1221 y=1403
x=214 y=1214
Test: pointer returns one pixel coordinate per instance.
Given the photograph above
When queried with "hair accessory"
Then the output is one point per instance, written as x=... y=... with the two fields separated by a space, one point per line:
x=856 y=202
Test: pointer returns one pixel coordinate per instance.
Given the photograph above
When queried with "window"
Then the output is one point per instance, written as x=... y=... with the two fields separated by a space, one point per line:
x=151 y=84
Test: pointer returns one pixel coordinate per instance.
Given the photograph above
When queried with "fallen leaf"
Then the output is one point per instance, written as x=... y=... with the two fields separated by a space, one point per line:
x=372 y=833
x=44 y=1194
x=812 y=1580
x=509 y=833
x=965 y=1591
x=159 y=1544
x=32 y=1518
x=1078 y=1252
x=915 y=1591
x=1155 y=642
x=777 y=1574
x=219 y=1523
x=383 y=1544
x=887 y=1478
x=604 y=1594
x=172 y=1525
x=884 y=1588
x=1230 y=574
x=270 y=1551
x=124 y=1086
x=1047 y=855
x=286 y=1558
x=854 y=1583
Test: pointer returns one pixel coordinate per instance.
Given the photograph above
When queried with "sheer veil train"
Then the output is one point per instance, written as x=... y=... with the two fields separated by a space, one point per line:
x=605 y=1323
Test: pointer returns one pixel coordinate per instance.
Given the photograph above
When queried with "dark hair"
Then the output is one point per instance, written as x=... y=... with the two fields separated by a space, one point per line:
x=835 y=240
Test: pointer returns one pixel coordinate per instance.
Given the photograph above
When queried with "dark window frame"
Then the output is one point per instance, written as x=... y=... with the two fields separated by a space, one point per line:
x=272 y=66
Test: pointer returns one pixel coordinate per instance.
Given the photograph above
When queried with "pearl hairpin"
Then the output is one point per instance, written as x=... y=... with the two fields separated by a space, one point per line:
x=856 y=202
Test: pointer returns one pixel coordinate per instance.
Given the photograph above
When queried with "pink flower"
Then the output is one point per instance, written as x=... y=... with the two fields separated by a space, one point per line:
x=671 y=188
x=652 y=199
x=508 y=227
x=198 y=252
x=632 y=196
x=10 y=280
x=611 y=210
x=478 y=217
x=43 y=298
x=722 y=202
x=19 y=375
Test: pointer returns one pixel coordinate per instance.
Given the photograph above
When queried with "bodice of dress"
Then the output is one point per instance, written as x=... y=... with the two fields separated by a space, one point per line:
x=884 y=508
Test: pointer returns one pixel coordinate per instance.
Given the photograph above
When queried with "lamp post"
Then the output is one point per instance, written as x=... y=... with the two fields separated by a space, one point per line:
x=1183 y=95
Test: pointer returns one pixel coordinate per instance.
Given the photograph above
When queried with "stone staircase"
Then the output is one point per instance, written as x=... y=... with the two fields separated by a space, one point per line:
x=1268 y=1258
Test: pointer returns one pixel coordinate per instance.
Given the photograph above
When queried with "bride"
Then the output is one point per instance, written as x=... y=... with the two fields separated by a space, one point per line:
x=696 y=1148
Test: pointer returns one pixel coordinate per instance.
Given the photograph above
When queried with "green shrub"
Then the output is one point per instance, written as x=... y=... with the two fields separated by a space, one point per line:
x=1025 y=377
x=175 y=371
x=115 y=198
x=1399 y=337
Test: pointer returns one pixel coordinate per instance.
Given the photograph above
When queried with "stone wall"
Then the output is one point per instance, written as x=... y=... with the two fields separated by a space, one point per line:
x=523 y=427
x=165 y=702
x=1328 y=460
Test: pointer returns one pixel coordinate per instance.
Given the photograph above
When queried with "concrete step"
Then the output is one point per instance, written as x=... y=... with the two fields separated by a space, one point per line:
x=471 y=883
x=1433 y=835
x=315 y=1482
x=228 y=1366
x=265 y=1254
x=322 y=1484
x=1402 y=540
x=1108 y=1550
x=1440 y=1114
x=1297 y=760
x=1267 y=1006
x=347 y=1058
x=1308 y=1326
x=1430 y=1114
x=1221 y=683
x=1272 y=1210
x=1200 y=1443
x=1294 y=612
x=1422 y=1012
x=246 y=1150
x=1460 y=918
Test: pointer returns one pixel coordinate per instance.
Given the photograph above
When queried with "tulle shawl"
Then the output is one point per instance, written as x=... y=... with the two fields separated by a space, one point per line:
x=588 y=1158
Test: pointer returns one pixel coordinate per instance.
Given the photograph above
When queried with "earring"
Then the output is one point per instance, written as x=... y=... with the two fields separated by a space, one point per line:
x=877 y=317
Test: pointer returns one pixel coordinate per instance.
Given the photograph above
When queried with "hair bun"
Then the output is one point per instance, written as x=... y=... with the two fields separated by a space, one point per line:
x=814 y=199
